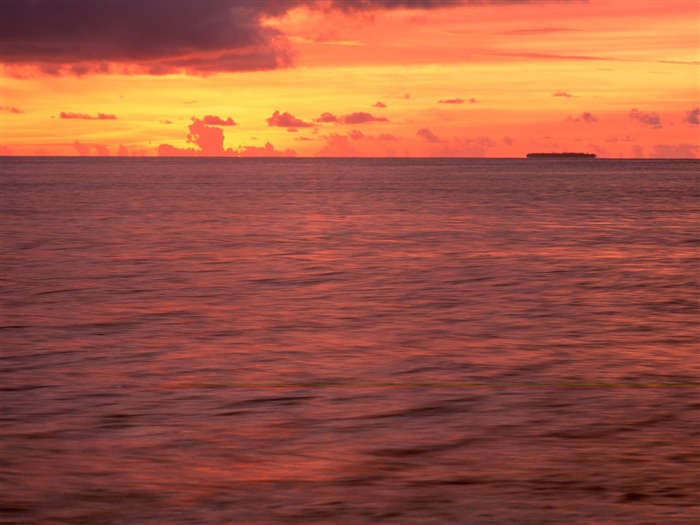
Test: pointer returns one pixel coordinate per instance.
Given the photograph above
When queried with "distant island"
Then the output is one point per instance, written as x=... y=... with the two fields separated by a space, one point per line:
x=561 y=155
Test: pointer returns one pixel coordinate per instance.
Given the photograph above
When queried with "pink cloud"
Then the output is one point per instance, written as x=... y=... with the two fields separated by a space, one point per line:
x=562 y=94
x=584 y=117
x=327 y=118
x=11 y=109
x=451 y=101
x=356 y=135
x=337 y=146
x=85 y=116
x=209 y=141
x=428 y=136
x=648 y=118
x=213 y=120
x=379 y=104
x=266 y=151
x=286 y=120
x=693 y=117
x=361 y=117
x=675 y=151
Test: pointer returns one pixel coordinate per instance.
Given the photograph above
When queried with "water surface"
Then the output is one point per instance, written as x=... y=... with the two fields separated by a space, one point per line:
x=349 y=341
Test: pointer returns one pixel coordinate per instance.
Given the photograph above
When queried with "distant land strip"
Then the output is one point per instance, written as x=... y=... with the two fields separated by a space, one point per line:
x=436 y=384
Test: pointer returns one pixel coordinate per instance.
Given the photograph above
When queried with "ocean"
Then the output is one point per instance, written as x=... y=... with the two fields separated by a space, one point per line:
x=349 y=341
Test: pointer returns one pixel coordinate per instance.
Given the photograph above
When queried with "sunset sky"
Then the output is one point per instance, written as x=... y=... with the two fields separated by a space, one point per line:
x=468 y=78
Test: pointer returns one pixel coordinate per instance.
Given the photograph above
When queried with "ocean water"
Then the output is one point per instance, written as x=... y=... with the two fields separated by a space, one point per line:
x=349 y=341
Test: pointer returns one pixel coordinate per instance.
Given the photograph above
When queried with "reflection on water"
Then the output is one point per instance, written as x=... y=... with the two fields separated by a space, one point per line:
x=346 y=342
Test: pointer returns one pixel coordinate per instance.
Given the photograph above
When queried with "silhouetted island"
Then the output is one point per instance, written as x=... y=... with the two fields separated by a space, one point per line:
x=561 y=155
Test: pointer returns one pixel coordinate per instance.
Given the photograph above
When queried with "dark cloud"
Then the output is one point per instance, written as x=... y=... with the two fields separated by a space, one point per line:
x=156 y=37
x=213 y=120
x=428 y=135
x=649 y=118
x=85 y=116
x=693 y=117
x=286 y=120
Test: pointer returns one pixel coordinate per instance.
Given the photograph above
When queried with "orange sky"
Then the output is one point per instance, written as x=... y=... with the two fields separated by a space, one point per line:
x=350 y=78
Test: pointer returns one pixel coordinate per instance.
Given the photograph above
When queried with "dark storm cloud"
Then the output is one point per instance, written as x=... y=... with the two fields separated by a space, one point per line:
x=156 y=37
x=202 y=35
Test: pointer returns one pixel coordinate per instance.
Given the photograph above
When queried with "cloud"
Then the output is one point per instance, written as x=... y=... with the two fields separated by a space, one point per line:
x=379 y=104
x=675 y=151
x=78 y=37
x=337 y=146
x=286 y=120
x=266 y=151
x=549 y=56
x=85 y=116
x=649 y=118
x=387 y=137
x=361 y=117
x=693 y=117
x=584 y=117
x=11 y=109
x=327 y=118
x=457 y=101
x=209 y=141
x=158 y=38
x=428 y=136
x=84 y=149
x=562 y=94
x=213 y=120
x=356 y=135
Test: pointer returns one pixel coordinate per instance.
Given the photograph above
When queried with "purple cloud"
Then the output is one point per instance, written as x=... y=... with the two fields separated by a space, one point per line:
x=286 y=120
x=428 y=136
x=693 y=117
x=584 y=117
x=361 y=117
x=648 y=118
